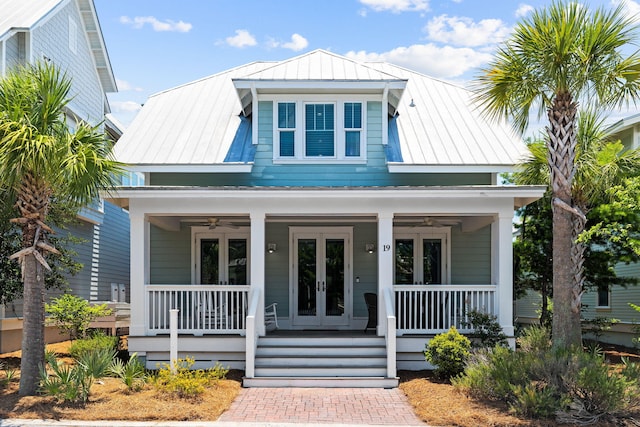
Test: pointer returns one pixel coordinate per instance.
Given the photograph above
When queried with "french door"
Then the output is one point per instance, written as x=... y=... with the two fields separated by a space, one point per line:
x=421 y=257
x=221 y=259
x=320 y=278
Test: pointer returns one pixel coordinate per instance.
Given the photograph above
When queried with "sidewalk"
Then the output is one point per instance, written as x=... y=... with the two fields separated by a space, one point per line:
x=284 y=407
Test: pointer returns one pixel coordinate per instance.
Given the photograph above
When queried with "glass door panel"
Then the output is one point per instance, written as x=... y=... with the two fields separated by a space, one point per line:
x=237 y=261
x=306 y=269
x=404 y=262
x=334 y=272
x=432 y=261
x=209 y=261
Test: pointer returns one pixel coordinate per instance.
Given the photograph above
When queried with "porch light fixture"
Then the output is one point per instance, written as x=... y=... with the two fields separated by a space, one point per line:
x=370 y=247
x=271 y=247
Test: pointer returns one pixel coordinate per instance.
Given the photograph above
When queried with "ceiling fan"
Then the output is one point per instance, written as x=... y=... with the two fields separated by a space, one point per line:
x=213 y=222
x=436 y=222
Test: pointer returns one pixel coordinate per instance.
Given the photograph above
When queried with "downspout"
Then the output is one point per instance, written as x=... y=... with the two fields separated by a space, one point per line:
x=385 y=114
x=254 y=115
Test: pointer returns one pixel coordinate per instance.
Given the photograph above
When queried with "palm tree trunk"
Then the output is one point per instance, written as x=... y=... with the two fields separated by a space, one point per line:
x=33 y=327
x=561 y=149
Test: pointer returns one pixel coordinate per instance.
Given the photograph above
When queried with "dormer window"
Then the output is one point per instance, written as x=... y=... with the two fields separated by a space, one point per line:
x=319 y=130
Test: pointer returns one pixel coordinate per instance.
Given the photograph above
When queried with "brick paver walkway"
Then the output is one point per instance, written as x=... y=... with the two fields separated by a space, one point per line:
x=373 y=406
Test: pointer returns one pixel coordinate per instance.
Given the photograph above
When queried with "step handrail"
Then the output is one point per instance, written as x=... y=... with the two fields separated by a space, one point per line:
x=252 y=333
x=390 y=331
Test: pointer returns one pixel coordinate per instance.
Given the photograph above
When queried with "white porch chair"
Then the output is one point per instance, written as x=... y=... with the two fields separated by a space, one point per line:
x=271 y=316
x=214 y=314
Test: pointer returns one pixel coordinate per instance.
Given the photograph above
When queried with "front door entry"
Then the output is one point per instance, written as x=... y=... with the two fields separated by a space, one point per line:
x=321 y=263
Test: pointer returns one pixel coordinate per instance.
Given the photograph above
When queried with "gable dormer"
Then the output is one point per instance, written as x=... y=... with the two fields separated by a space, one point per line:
x=319 y=101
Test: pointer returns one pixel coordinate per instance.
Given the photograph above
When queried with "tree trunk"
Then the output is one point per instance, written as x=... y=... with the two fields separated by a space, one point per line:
x=561 y=151
x=33 y=327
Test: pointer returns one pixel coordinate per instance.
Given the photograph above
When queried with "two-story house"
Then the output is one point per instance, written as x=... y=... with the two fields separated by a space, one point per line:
x=315 y=183
x=67 y=33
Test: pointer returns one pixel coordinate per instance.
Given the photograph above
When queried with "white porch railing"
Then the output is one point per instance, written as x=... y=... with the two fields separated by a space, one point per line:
x=204 y=309
x=251 y=343
x=390 y=332
x=432 y=309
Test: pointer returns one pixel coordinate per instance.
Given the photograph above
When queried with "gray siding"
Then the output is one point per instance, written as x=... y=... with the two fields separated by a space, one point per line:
x=113 y=262
x=170 y=256
x=471 y=257
x=80 y=284
x=16 y=50
x=52 y=40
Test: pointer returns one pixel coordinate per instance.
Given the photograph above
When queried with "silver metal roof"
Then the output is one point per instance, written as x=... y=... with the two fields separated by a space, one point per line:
x=195 y=124
x=438 y=124
x=23 y=14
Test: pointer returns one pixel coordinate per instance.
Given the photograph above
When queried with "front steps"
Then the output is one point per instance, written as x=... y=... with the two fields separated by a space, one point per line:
x=321 y=362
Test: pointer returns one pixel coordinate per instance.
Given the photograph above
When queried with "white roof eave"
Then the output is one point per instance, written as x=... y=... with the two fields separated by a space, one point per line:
x=192 y=168
x=444 y=168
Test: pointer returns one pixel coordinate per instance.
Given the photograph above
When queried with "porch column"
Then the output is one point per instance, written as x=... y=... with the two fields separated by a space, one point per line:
x=385 y=264
x=257 y=259
x=139 y=271
x=503 y=268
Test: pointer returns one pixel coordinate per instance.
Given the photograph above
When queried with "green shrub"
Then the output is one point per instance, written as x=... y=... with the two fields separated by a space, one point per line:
x=97 y=341
x=533 y=401
x=73 y=383
x=73 y=314
x=9 y=374
x=133 y=373
x=185 y=382
x=487 y=331
x=448 y=352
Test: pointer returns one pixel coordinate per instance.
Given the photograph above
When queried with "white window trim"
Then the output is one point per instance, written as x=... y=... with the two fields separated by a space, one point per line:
x=73 y=35
x=419 y=233
x=338 y=101
x=223 y=234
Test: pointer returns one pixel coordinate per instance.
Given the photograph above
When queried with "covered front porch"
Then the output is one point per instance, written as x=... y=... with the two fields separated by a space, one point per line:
x=429 y=255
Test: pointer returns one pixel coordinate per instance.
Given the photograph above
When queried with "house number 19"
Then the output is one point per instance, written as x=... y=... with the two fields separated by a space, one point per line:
x=386 y=248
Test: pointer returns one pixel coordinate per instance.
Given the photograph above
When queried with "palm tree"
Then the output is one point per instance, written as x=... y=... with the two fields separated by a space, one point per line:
x=556 y=58
x=43 y=162
x=600 y=163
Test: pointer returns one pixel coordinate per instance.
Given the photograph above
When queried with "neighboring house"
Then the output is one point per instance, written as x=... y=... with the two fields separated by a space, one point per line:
x=606 y=303
x=67 y=34
x=310 y=183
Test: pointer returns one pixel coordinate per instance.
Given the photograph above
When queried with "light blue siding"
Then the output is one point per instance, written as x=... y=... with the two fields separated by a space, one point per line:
x=266 y=173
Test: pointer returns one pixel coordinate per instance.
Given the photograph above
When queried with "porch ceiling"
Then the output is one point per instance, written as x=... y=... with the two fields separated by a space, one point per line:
x=277 y=200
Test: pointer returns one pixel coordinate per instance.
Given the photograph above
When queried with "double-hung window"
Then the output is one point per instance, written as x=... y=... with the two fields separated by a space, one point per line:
x=352 y=128
x=287 y=128
x=319 y=130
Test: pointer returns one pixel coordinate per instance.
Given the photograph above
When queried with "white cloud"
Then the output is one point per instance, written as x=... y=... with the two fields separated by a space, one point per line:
x=157 y=25
x=125 y=106
x=631 y=8
x=243 y=38
x=124 y=85
x=463 y=31
x=397 y=6
x=443 y=62
x=297 y=43
x=523 y=10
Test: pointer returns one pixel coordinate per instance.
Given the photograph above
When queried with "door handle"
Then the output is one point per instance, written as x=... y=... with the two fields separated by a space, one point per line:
x=317 y=286
x=324 y=287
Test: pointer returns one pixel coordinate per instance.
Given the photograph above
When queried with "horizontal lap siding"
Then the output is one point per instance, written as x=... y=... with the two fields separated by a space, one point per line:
x=277 y=268
x=266 y=173
x=170 y=256
x=619 y=298
x=471 y=256
x=365 y=266
x=113 y=264
x=80 y=284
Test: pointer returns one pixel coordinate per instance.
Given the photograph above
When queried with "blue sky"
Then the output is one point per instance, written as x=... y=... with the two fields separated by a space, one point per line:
x=159 y=44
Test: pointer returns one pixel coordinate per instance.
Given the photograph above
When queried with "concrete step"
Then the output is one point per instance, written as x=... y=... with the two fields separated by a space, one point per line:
x=338 y=361
x=324 y=351
x=334 y=382
x=324 y=372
